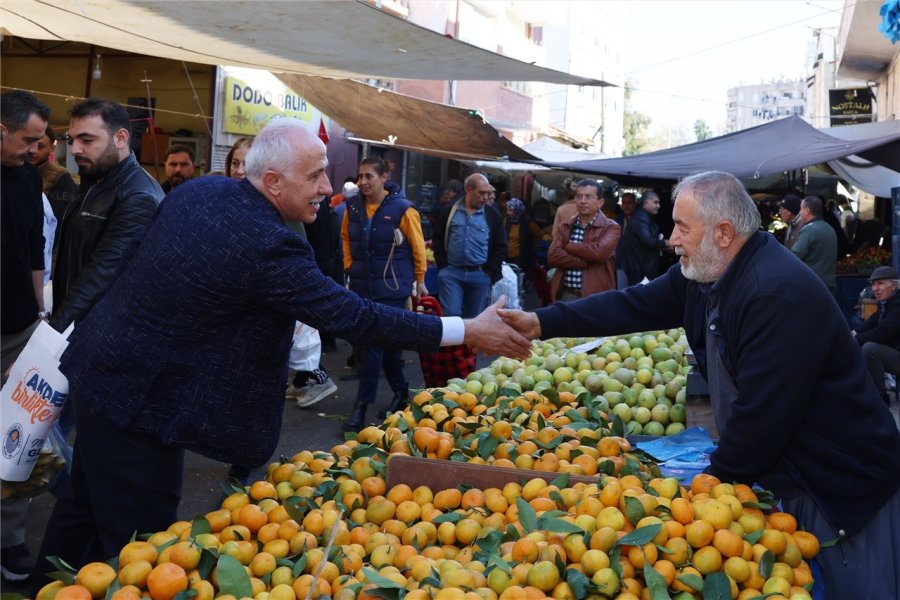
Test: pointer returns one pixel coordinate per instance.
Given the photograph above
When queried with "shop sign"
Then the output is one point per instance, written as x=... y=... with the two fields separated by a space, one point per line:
x=850 y=107
x=249 y=106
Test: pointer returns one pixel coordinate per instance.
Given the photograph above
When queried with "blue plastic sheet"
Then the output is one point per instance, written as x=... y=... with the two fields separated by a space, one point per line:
x=683 y=455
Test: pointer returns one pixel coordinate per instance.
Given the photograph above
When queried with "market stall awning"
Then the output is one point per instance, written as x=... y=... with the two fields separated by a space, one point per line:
x=333 y=38
x=547 y=148
x=873 y=177
x=775 y=147
x=384 y=117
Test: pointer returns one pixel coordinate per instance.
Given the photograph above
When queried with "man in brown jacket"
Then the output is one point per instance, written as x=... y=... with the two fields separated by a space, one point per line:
x=584 y=247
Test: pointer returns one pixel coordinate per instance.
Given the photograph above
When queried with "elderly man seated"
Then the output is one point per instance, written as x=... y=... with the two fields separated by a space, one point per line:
x=879 y=336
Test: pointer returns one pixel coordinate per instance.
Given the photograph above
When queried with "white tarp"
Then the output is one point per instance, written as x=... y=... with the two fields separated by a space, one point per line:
x=867 y=176
x=546 y=148
x=329 y=38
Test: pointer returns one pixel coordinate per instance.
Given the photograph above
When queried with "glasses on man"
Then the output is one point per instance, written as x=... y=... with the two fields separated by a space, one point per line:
x=585 y=197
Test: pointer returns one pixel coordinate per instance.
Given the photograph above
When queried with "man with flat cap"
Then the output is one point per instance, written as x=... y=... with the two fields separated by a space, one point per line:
x=789 y=211
x=879 y=336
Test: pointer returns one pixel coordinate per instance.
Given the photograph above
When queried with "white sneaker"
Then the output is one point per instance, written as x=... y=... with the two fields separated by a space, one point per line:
x=317 y=392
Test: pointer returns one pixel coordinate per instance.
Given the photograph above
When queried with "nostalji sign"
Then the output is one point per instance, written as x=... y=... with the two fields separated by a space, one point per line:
x=850 y=106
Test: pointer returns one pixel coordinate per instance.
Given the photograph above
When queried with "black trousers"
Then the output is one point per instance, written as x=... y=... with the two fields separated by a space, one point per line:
x=122 y=482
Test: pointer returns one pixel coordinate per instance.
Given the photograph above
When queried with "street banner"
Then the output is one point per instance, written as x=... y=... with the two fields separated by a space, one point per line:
x=249 y=105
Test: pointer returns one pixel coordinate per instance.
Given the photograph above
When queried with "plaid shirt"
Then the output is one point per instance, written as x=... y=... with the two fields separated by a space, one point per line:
x=572 y=278
x=447 y=363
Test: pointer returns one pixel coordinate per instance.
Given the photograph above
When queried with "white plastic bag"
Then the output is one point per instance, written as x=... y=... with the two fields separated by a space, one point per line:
x=55 y=456
x=507 y=284
x=30 y=402
x=306 y=349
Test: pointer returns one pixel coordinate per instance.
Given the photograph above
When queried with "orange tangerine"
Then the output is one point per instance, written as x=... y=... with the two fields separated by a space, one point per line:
x=96 y=577
x=447 y=499
x=782 y=521
x=703 y=483
x=707 y=560
x=166 y=580
x=73 y=592
x=728 y=543
x=699 y=533
x=808 y=544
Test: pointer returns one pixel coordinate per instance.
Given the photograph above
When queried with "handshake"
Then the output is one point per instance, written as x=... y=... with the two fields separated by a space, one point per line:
x=502 y=331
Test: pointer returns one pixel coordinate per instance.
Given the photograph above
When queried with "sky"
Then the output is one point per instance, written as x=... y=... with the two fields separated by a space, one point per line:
x=683 y=56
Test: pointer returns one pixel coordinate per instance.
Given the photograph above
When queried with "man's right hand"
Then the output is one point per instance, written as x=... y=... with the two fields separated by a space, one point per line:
x=488 y=334
x=526 y=323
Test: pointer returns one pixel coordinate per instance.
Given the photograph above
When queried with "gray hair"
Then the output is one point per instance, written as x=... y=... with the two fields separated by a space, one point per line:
x=721 y=197
x=272 y=149
x=814 y=205
x=648 y=195
x=472 y=181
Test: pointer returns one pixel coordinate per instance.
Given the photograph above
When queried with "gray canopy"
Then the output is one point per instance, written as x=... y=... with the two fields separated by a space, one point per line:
x=768 y=149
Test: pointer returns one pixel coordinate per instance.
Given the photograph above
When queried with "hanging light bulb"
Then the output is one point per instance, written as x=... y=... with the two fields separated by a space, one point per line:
x=97 y=73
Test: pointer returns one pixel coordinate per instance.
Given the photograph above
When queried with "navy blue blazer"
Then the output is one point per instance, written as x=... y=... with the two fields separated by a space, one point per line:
x=191 y=343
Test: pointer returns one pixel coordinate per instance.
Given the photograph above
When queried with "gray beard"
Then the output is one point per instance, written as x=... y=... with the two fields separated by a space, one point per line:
x=706 y=265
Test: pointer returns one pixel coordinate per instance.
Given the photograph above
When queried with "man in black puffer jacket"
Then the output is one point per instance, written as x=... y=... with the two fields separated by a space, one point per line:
x=118 y=203
x=879 y=336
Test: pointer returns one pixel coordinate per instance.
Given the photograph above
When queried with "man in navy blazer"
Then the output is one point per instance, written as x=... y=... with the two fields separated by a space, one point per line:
x=189 y=348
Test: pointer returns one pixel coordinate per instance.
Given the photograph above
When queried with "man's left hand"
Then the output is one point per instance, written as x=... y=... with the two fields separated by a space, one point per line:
x=488 y=334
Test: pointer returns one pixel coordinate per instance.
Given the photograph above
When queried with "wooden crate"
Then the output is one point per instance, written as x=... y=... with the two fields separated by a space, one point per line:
x=700 y=414
x=447 y=474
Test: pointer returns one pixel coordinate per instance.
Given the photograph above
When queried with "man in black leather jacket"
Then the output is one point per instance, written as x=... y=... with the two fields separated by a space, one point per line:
x=638 y=252
x=879 y=336
x=118 y=202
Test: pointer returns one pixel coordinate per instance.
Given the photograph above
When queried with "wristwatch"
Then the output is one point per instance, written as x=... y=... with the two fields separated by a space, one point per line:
x=44 y=314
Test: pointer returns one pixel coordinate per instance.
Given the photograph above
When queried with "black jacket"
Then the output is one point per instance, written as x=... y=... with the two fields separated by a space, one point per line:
x=770 y=306
x=324 y=235
x=884 y=326
x=94 y=234
x=22 y=221
x=638 y=251
x=496 y=240
x=527 y=243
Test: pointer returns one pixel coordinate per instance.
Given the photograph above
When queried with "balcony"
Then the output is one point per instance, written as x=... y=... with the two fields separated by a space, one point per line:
x=864 y=52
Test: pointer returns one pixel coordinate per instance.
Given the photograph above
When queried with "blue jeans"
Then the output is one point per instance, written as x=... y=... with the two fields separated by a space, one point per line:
x=375 y=358
x=463 y=293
